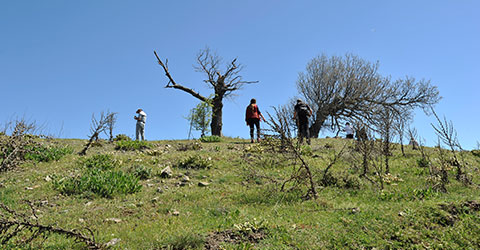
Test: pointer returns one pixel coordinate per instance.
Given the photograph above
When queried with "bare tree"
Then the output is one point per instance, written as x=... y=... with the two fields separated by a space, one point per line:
x=385 y=121
x=400 y=127
x=96 y=128
x=365 y=147
x=348 y=87
x=413 y=134
x=15 y=146
x=279 y=123
x=448 y=135
x=223 y=84
x=14 y=224
x=111 y=120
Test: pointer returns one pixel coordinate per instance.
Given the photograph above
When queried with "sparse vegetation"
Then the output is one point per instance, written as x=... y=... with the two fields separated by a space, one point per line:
x=195 y=162
x=100 y=161
x=213 y=193
x=132 y=145
x=212 y=138
x=104 y=183
x=42 y=153
x=142 y=172
x=122 y=137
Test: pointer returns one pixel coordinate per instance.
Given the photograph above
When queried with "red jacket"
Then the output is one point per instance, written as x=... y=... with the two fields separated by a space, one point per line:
x=252 y=112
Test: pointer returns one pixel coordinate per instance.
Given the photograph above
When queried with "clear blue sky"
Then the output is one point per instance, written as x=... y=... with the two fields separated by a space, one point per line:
x=61 y=61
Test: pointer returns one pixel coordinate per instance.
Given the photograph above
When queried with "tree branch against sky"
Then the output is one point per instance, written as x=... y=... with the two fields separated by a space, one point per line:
x=223 y=84
x=348 y=87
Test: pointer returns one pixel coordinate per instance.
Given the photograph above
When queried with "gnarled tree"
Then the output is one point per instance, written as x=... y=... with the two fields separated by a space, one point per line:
x=223 y=84
x=348 y=87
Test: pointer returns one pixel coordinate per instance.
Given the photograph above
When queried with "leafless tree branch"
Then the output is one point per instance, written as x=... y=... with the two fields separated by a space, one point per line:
x=12 y=223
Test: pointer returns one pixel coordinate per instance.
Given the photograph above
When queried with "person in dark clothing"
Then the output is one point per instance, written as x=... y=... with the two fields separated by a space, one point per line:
x=349 y=130
x=253 y=116
x=301 y=113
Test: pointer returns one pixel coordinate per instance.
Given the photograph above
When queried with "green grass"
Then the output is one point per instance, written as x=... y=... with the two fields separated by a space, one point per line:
x=99 y=161
x=104 y=183
x=127 y=145
x=243 y=193
x=211 y=138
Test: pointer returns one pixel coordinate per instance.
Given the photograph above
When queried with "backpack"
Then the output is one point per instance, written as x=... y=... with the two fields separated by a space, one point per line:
x=252 y=111
x=303 y=110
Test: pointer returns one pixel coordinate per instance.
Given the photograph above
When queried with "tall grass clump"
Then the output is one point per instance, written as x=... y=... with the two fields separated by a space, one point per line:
x=104 y=183
x=212 y=138
x=101 y=161
x=194 y=162
x=122 y=137
x=46 y=154
x=141 y=172
x=132 y=145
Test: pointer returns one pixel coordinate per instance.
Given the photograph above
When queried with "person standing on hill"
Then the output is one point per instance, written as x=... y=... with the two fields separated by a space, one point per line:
x=253 y=117
x=301 y=114
x=140 y=129
x=348 y=130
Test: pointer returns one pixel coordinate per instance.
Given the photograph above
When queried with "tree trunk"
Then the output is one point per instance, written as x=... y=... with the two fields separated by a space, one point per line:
x=317 y=125
x=216 y=125
x=386 y=152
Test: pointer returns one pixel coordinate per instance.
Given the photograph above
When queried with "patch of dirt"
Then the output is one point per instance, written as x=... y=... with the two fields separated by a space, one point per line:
x=215 y=239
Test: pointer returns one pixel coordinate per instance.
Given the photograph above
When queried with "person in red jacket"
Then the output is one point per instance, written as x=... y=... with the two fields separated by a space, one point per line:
x=253 y=117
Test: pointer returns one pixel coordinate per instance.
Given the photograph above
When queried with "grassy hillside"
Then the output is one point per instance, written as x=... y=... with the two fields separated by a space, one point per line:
x=226 y=195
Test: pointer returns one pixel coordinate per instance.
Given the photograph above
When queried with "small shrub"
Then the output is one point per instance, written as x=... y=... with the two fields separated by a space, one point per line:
x=104 y=183
x=195 y=162
x=423 y=163
x=212 y=138
x=252 y=226
x=100 y=162
x=475 y=152
x=141 y=172
x=122 y=137
x=350 y=182
x=132 y=145
x=46 y=154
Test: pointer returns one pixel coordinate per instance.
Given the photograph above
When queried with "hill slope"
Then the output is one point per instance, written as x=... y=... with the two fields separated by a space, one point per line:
x=227 y=195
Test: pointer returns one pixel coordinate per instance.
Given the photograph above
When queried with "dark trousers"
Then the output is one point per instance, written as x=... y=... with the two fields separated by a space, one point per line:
x=254 y=122
x=303 y=130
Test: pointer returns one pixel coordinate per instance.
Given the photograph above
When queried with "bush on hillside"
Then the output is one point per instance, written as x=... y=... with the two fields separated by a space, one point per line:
x=212 y=138
x=132 y=145
x=42 y=153
x=102 y=161
x=104 y=183
x=475 y=152
x=122 y=137
x=141 y=172
x=195 y=162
